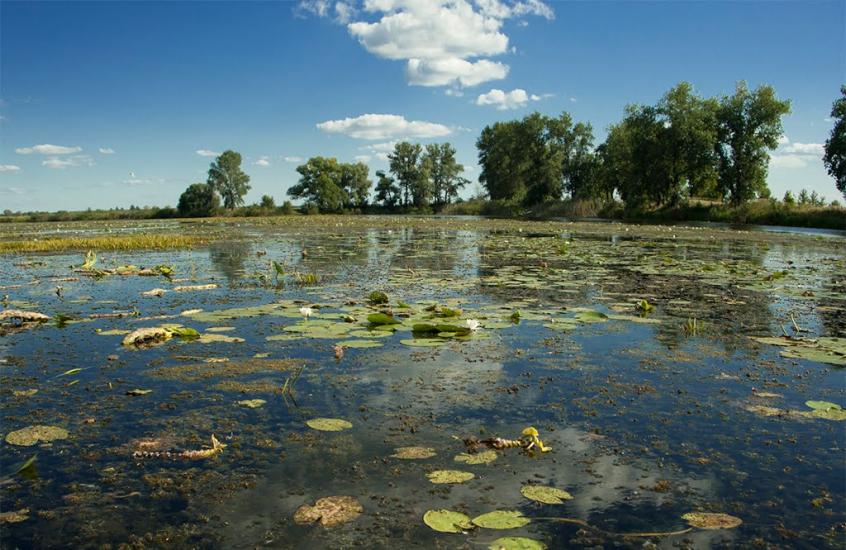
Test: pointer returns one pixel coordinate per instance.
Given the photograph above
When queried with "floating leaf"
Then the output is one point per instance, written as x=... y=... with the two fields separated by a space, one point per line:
x=189 y=288
x=146 y=337
x=827 y=410
x=24 y=393
x=517 y=543
x=377 y=298
x=328 y=424
x=252 y=403
x=449 y=476
x=16 y=516
x=413 y=453
x=485 y=457
x=31 y=435
x=710 y=520
x=381 y=319
x=185 y=332
x=360 y=344
x=501 y=519
x=546 y=495
x=330 y=511
x=137 y=392
x=447 y=521
x=591 y=317
x=424 y=342
x=24 y=316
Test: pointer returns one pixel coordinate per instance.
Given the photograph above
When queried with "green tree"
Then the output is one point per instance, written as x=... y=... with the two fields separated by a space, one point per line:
x=198 y=201
x=788 y=198
x=443 y=172
x=355 y=182
x=227 y=178
x=749 y=124
x=804 y=197
x=320 y=184
x=387 y=192
x=406 y=166
x=689 y=139
x=267 y=202
x=835 y=146
x=502 y=163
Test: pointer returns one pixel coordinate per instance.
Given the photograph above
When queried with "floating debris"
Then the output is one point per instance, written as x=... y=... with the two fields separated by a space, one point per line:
x=31 y=435
x=329 y=511
x=194 y=454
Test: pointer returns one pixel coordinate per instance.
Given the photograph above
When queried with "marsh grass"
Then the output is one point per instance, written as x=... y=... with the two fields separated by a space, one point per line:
x=104 y=242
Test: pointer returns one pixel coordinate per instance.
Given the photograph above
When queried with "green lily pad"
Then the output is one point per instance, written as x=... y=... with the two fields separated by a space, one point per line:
x=591 y=317
x=827 y=410
x=252 y=403
x=449 y=476
x=517 y=543
x=328 y=424
x=501 y=519
x=360 y=344
x=381 y=319
x=447 y=521
x=424 y=342
x=546 y=495
x=31 y=435
x=413 y=453
x=485 y=457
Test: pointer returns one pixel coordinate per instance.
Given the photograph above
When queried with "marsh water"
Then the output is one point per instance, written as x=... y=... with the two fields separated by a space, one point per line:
x=652 y=410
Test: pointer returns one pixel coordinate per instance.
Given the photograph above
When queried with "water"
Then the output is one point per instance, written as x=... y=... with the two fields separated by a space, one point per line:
x=647 y=420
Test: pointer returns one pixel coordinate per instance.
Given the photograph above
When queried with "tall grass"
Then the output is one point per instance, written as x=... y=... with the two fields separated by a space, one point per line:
x=107 y=243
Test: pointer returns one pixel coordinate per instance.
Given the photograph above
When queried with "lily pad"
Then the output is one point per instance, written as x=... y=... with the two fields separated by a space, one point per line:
x=449 y=476
x=138 y=392
x=546 y=495
x=711 y=520
x=413 y=453
x=15 y=516
x=485 y=457
x=381 y=319
x=501 y=519
x=827 y=410
x=328 y=424
x=252 y=403
x=423 y=342
x=352 y=344
x=330 y=511
x=517 y=543
x=447 y=521
x=31 y=435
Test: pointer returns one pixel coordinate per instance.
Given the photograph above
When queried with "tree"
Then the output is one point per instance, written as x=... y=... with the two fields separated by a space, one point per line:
x=689 y=139
x=406 y=167
x=835 y=146
x=501 y=162
x=354 y=181
x=267 y=202
x=748 y=124
x=443 y=172
x=804 y=197
x=320 y=184
x=788 y=198
x=386 y=191
x=227 y=178
x=198 y=201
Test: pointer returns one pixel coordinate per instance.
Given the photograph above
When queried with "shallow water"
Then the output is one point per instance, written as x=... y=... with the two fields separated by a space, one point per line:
x=647 y=420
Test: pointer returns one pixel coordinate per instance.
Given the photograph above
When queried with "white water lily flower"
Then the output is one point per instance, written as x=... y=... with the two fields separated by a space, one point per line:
x=306 y=311
x=473 y=324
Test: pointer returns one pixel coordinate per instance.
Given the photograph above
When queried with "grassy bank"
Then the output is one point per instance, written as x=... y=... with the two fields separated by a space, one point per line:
x=102 y=243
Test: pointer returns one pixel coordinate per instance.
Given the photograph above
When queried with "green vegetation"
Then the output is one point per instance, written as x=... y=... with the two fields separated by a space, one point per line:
x=331 y=186
x=198 y=201
x=835 y=146
x=227 y=178
x=105 y=242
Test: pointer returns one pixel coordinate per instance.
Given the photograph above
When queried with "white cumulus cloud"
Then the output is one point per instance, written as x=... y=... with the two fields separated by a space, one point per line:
x=507 y=100
x=383 y=126
x=293 y=159
x=48 y=149
x=363 y=158
x=206 y=153
x=443 y=42
x=9 y=168
x=788 y=161
x=106 y=151
x=262 y=161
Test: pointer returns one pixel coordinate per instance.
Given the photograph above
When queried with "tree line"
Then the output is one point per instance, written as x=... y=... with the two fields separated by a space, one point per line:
x=658 y=155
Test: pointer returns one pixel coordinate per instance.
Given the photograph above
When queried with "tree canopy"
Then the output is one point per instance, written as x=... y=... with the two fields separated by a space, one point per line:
x=227 y=178
x=331 y=185
x=835 y=145
x=198 y=201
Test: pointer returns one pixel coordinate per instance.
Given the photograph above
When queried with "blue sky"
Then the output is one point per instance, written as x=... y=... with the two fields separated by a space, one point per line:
x=116 y=103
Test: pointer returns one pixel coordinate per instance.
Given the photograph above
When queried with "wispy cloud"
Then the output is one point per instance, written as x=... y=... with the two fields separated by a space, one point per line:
x=382 y=127
x=60 y=163
x=293 y=159
x=106 y=151
x=263 y=161
x=48 y=149
x=9 y=168
x=207 y=153
x=796 y=154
